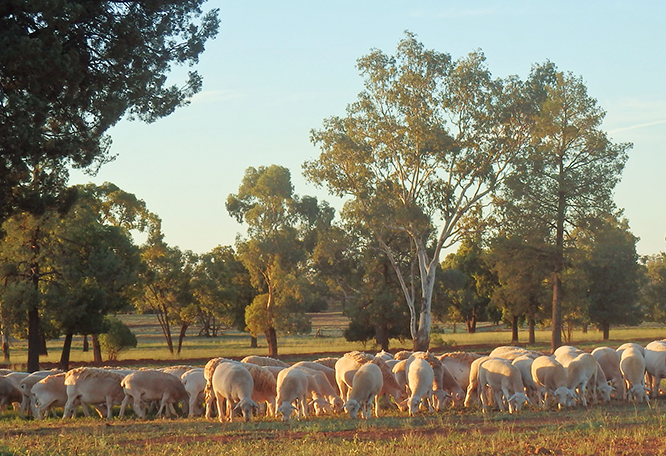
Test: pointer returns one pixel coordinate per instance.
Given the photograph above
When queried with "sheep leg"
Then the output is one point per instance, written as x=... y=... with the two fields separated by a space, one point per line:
x=123 y=406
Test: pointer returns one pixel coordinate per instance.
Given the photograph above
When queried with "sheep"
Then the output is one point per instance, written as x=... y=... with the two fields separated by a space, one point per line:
x=655 y=364
x=632 y=366
x=400 y=374
x=566 y=354
x=609 y=361
x=16 y=377
x=386 y=356
x=524 y=365
x=402 y=355
x=264 y=361
x=264 y=385
x=49 y=392
x=26 y=384
x=324 y=397
x=510 y=353
x=329 y=372
x=233 y=385
x=551 y=380
x=176 y=371
x=473 y=390
x=458 y=364
x=194 y=382
x=420 y=379
x=9 y=393
x=209 y=369
x=274 y=370
x=582 y=373
x=624 y=346
x=292 y=387
x=347 y=365
x=366 y=386
x=439 y=393
x=153 y=385
x=604 y=389
x=90 y=386
x=506 y=384
x=328 y=362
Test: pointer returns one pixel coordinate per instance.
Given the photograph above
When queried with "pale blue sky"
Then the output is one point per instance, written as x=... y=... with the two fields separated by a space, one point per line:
x=277 y=69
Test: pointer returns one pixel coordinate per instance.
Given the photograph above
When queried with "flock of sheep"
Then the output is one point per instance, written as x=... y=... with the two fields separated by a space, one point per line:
x=356 y=383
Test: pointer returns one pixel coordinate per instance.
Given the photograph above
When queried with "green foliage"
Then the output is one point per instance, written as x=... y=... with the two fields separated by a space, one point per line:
x=116 y=338
x=653 y=292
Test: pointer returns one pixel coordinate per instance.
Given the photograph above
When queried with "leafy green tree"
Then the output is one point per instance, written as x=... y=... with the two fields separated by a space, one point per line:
x=278 y=249
x=419 y=153
x=613 y=274
x=570 y=174
x=116 y=338
x=466 y=284
x=71 y=69
x=653 y=289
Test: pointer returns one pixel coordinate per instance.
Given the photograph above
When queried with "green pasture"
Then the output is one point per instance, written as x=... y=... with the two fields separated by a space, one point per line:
x=328 y=327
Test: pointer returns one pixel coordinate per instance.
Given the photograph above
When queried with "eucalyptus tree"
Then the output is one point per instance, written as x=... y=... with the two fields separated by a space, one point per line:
x=71 y=69
x=277 y=251
x=420 y=152
x=570 y=173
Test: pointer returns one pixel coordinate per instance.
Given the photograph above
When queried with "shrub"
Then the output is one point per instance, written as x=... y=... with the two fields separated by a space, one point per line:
x=118 y=338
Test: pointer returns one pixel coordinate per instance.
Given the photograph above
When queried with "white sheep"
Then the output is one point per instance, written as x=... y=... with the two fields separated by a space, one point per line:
x=263 y=361
x=328 y=371
x=176 y=371
x=366 y=386
x=323 y=395
x=510 y=352
x=603 y=387
x=91 y=386
x=632 y=366
x=195 y=384
x=581 y=374
x=49 y=392
x=473 y=390
x=209 y=369
x=609 y=361
x=626 y=345
x=264 y=389
x=551 y=380
x=655 y=364
x=347 y=365
x=9 y=393
x=233 y=386
x=524 y=365
x=292 y=388
x=459 y=364
x=149 y=385
x=506 y=384
x=26 y=384
x=420 y=379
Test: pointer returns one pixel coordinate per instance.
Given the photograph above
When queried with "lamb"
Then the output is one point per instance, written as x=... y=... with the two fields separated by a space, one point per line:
x=91 y=386
x=551 y=380
x=459 y=364
x=420 y=379
x=506 y=383
x=264 y=361
x=632 y=366
x=366 y=386
x=233 y=385
x=582 y=373
x=9 y=393
x=49 y=392
x=153 y=385
x=292 y=387
x=609 y=361
x=655 y=364
x=194 y=382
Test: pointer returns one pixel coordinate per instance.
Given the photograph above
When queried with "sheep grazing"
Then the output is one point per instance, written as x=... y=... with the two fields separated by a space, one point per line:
x=506 y=384
x=328 y=362
x=366 y=386
x=324 y=397
x=329 y=372
x=9 y=394
x=655 y=364
x=581 y=374
x=233 y=386
x=609 y=361
x=551 y=380
x=292 y=388
x=194 y=382
x=632 y=366
x=420 y=379
x=623 y=347
x=49 y=392
x=153 y=385
x=176 y=371
x=264 y=385
x=458 y=363
x=264 y=361
x=90 y=386
x=473 y=390
x=524 y=365
x=346 y=367
x=26 y=384
x=565 y=354
x=209 y=369
x=510 y=353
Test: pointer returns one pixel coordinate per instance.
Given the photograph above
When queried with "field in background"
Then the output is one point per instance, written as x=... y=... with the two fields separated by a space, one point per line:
x=328 y=328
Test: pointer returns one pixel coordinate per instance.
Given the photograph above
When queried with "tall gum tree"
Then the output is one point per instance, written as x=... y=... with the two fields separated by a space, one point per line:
x=570 y=173
x=420 y=152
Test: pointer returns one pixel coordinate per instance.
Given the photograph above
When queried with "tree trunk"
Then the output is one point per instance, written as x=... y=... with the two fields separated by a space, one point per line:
x=471 y=324
x=5 y=346
x=556 y=334
x=271 y=339
x=33 y=340
x=86 y=346
x=514 y=329
x=66 y=350
x=43 y=349
x=181 y=335
x=531 y=331
x=97 y=350
x=381 y=336
x=585 y=329
x=605 y=328
x=254 y=342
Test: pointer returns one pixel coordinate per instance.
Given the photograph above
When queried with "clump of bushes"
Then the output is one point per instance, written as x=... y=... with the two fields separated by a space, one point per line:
x=118 y=338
